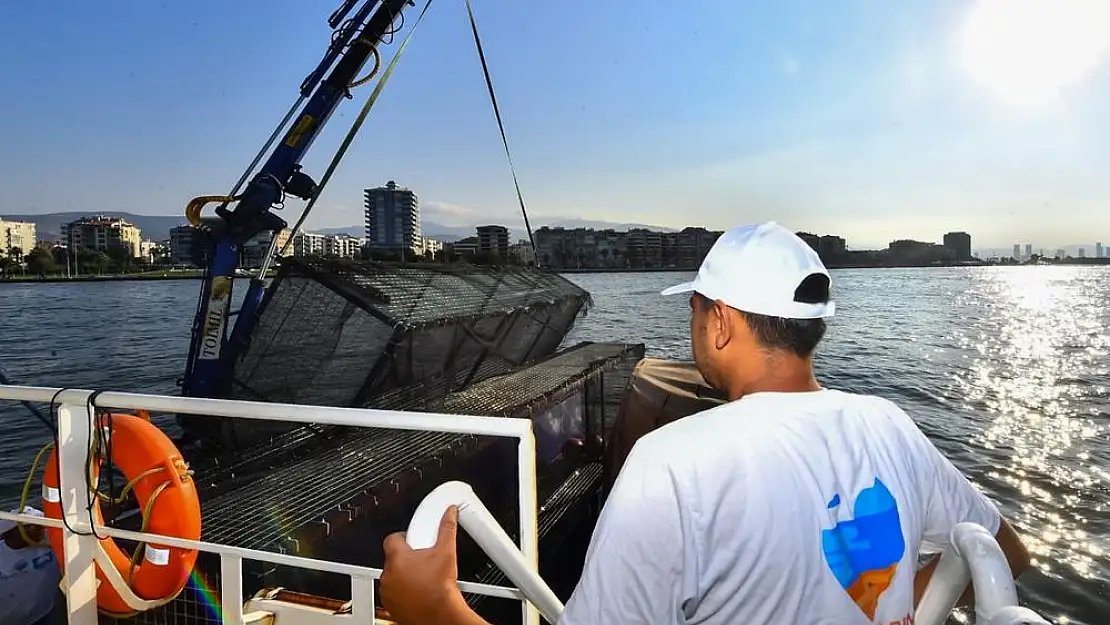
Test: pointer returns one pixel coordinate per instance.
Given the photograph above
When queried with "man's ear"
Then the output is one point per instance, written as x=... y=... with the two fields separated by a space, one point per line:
x=722 y=324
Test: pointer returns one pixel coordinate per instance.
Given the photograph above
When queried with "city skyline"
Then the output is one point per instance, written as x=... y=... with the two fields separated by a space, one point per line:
x=393 y=225
x=874 y=121
x=441 y=234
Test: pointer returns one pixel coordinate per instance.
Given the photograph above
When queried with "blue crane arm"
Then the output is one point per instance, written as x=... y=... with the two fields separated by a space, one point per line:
x=212 y=351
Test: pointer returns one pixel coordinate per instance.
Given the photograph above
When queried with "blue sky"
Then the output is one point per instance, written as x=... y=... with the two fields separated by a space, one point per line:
x=868 y=118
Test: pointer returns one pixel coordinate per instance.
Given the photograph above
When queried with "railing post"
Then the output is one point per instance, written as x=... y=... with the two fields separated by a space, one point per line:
x=529 y=517
x=231 y=588
x=362 y=600
x=74 y=443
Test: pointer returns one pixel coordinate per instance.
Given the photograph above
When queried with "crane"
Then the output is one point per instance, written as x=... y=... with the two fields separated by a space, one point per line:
x=358 y=30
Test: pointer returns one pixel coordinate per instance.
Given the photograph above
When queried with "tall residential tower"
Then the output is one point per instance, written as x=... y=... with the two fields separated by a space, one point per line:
x=393 y=219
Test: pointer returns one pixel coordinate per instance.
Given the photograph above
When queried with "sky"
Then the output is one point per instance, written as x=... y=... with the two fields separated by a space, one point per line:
x=870 y=119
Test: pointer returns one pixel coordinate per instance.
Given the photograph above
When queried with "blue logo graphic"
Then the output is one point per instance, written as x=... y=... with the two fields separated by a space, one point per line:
x=863 y=552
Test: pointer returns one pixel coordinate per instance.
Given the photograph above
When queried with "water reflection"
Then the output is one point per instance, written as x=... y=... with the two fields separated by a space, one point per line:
x=1039 y=355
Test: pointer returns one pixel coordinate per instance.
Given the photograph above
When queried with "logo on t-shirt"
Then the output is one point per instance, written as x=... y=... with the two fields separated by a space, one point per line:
x=863 y=551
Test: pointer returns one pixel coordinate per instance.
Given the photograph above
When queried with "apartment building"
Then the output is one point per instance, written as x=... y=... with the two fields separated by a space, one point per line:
x=103 y=233
x=16 y=235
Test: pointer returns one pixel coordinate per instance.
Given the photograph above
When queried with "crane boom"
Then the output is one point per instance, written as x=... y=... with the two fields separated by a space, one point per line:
x=212 y=350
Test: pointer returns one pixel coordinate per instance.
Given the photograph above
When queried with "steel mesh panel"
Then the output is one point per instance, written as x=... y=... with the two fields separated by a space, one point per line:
x=336 y=341
x=198 y=604
x=266 y=513
x=416 y=294
x=338 y=332
x=334 y=493
x=560 y=514
x=507 y=394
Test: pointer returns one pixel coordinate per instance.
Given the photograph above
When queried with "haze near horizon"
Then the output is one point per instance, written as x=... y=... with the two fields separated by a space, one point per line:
x=870 y=120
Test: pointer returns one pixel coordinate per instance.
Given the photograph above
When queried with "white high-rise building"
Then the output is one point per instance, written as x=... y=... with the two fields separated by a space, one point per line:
x=392 y=218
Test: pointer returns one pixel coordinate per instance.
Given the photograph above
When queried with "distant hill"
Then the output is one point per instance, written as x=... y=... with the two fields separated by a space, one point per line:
x=602 y=225
x=351 y=231
x=48 y=227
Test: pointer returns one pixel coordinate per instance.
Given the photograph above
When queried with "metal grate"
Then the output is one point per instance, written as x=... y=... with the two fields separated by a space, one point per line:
x=335 y=493
x=509 y=394
x=336 y=332
x=564 y=513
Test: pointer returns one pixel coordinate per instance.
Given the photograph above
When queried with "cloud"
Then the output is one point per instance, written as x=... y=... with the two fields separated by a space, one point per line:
x=448 y=214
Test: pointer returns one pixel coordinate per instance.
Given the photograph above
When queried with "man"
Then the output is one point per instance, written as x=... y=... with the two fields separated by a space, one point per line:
x=790 y=504
x=29 y=575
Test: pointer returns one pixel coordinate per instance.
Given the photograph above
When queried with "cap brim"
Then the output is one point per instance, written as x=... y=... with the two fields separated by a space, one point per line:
x=685 y=287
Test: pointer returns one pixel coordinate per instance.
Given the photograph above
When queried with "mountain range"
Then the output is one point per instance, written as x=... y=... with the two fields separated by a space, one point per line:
x=48 y=226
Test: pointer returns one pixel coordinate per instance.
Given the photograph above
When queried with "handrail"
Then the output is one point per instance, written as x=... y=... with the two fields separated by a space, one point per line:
x=475 y=518
x=80 y=545
x=974 y=555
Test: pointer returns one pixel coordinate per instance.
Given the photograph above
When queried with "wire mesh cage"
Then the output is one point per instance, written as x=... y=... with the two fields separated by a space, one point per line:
x=334 y=494
x=340 y=332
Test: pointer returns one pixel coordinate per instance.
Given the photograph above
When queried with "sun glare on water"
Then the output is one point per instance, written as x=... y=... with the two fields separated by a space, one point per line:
x=1028 y=51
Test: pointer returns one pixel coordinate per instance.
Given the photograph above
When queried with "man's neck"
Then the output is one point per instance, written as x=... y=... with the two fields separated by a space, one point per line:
x=783 y=374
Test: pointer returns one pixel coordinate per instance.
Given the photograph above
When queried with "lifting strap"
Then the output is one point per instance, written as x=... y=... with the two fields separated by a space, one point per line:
x=501 y=126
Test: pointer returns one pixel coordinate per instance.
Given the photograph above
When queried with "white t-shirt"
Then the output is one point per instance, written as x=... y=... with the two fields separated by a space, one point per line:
x=778 y=508
x=28 y=584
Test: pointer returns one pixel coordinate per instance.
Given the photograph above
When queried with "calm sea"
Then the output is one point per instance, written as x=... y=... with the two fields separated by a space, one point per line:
x=1005 y=369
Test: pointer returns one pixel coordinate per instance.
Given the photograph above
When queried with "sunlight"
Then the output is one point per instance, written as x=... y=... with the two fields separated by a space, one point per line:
x=1028 y=51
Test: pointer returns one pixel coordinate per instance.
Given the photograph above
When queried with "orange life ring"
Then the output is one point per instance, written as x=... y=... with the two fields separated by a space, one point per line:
x=167 y=495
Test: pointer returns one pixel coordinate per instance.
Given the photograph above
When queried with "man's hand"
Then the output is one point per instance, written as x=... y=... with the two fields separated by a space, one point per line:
x=420 y=586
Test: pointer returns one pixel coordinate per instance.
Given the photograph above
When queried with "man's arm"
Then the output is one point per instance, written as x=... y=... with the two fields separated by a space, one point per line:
x=952 y=499
x=1016 y=556
x=639 y=567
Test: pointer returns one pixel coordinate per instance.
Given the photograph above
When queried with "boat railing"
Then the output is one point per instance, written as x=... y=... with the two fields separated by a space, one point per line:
x=81 y=546
x=973 y=554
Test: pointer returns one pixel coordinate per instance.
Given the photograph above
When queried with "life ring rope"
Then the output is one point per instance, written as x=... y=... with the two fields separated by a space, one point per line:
x=25 y=494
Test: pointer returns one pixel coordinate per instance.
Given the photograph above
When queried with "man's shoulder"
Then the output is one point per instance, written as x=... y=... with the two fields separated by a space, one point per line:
x=693 y=426
x=758 y=419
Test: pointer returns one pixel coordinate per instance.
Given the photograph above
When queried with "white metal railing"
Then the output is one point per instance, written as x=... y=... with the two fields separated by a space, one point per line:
x=973 y=554
x=476 y=519
x=81 y=547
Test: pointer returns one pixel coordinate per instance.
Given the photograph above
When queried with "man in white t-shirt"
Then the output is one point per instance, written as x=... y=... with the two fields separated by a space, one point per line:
x=791 y=504
x=29 y=575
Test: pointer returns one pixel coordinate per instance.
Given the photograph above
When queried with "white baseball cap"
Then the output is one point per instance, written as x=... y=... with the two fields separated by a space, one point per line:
x=757 y=269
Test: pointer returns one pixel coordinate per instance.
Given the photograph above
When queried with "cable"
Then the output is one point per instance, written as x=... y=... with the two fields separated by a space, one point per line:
x=394 y=29
x=501 y=126
x=57 y=446
x=266 y=147
x=374 y=72
x=94 y=434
